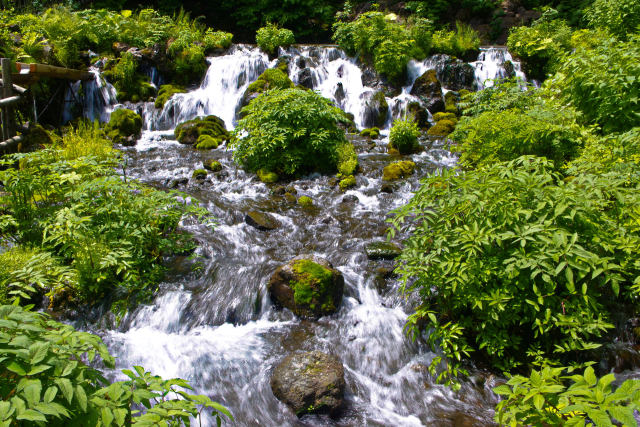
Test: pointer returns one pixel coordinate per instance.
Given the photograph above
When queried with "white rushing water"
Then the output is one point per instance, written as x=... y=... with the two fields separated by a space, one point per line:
x=96 y=97
x=492 y=64
x=216 y=326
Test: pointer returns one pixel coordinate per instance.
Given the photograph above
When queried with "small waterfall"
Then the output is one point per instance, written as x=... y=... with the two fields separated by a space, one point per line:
x=493 y=63
x=97 y=98
x=220 y=93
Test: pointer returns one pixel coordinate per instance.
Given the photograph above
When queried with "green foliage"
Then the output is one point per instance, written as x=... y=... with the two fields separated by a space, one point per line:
x=270 y=37
x=110 y=232
x=505 y=95
x=541 y=46
x=122 y=125
x=515 y=264
x=347 y=159
x=459 y=42
x=603 y=83
x=130 y=85
x=544 y=129
x=545 y=398
x=216 y=39
x=45 y=380
x=619 y=17
x=289 y=132
x=441 y=10
x=404 y=136
x=391 y=59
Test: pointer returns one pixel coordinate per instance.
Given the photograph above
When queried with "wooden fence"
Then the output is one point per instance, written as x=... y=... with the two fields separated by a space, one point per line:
x=9 y=96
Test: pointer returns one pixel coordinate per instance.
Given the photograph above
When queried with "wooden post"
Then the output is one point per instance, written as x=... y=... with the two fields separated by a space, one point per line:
x=8 y=125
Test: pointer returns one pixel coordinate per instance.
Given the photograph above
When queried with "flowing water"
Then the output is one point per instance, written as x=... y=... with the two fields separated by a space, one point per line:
x=212 y=322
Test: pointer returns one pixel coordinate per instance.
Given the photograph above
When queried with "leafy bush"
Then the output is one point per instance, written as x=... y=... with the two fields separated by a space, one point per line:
x=289 y=132
x=270 y=37
x=542 y=130
x=541 y=46
x=620 y=17
x=46 y=380
x=404 y=136
x=504 y=95
x=111 y=232
x=515 y=264
x=603 y=84
x=462 y=41
x=545 y=399
x=216 y=39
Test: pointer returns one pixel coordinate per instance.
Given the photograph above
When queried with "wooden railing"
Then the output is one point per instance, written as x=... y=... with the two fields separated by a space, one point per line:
x=9 y=96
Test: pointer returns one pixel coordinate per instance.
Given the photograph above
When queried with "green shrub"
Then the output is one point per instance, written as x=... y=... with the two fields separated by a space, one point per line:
x=504 y=95
x=289 y=132
x=270 y=37
x=620 y=17
x=190 y=64
x=216 y=39
x=347 y=159
x=546 y=398
x=603 y=84
x=47 y=380
x=391 y=59
x=404 y=136
x=515 y=264
x=88 y=140
x=544 y=130
x=463 y=41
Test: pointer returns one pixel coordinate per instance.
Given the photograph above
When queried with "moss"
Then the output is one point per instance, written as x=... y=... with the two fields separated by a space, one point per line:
x=166 y=92
x=347 y=159
x=348 y=182
x=442 y=128
x=189 y=132
x=450 y=102
x=207 y=142
x=37 y=137
x=199 y=174
x=313 y=285
x=266 y=176
x=371 y=133
x=123 y=125
x=305 y=201
x=445 y=116
x=290 y=197
x=213 y=166
x=398 y=170
x=272 y=78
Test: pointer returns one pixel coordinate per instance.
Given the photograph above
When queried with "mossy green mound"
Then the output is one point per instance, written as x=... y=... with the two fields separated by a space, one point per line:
x=382 y=250
x=371 y=133
x=451 y=102
x=398 y=170
x=166 y=92
x=272 y=78
x=347 y=159
x=189 y=132
x=124 y=127
x=208 y=142
x=305 y=201
x=445 y=116
x=307 y=285
x=199 y=174
x=442 y=128
x=213 y=166
x=266 y=176
x=347 y=183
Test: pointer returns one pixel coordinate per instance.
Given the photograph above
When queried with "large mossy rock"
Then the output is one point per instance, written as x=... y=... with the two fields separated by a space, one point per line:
x=124 y=127
x=311 y=382
x=191 y=132
x=307 y=285
x=376 y=110
x=428 y=89
x=273 y=78
x=166 y=92
x=398 y=170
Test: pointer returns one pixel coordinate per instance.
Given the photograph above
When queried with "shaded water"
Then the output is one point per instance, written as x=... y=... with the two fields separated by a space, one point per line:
x=212 y=322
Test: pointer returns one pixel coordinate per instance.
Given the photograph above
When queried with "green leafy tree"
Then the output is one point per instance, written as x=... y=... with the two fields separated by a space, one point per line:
x=270 y=37
x=620 y=17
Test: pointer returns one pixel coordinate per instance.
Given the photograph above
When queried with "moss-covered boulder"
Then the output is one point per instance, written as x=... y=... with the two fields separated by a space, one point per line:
x=371 y=133
x=419 y=114
x=428 y=89
x=305 y=202
x=272 y=78
x=189 y=132
x=310 y=382
x=442 y=128
x=397 y=170
x=307 y=285
x=124 y=127
x=199 y=174
x=445 y=116
x=36 y=137
x=347 y=159
x=266 y=176
x=166 y=92
x=382 y=250
x=213 y=166
x=261 y=220
x=208 y=142
x=376 y=110
x=347 y=183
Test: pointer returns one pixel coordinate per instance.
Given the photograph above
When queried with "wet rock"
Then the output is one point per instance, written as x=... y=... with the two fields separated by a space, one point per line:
x=305 y=78
x=387 y=187
x=307 y=285
x=419 y=113
x=311 y=382
x=350 y=199
x=333 y=54
x=290 y=198
x=428 y=89
x=397 y=170
x=261 y=220
x=339 y=94
x=382 y=250
x=178 y=182
x=119 y=47
x=189 y=132
x=291 y=189
x=278 y=190
x=376 y=110
x=213 y=166
x=199 y=174
x=456 y=75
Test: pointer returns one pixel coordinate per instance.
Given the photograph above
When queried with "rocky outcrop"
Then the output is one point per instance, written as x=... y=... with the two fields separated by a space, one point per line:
x=307 y=285
x=311 y=382
x=376 y=110
x=428 y=89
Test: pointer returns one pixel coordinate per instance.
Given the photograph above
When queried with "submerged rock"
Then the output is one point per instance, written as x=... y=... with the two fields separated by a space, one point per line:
x=261 y=220
x=311 y=382
x=307 y=285
x=382 y=250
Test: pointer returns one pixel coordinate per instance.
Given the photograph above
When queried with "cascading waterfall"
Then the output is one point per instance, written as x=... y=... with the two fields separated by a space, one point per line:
x=493 y=63
x=216 y=325
x=97 y=98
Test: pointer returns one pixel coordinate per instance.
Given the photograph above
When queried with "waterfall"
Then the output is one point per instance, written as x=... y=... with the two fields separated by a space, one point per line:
x=96 y=97
x=493 y=63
